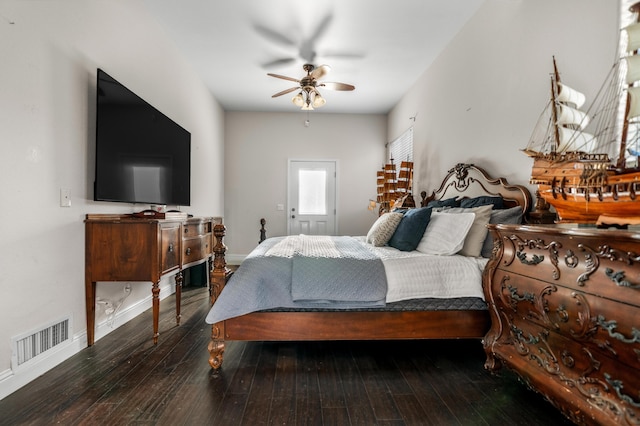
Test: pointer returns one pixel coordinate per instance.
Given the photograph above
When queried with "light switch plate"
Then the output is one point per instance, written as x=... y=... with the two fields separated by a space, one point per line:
x=65 y=197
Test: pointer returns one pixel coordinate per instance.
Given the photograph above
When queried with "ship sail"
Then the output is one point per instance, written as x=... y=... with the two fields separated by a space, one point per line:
x=585 y=162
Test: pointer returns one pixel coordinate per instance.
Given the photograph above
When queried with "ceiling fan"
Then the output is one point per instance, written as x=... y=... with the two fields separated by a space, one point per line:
x=309 y=97
x=301 y=47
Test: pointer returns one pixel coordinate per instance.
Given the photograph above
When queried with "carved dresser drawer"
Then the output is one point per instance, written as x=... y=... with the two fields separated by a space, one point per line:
x=565 y=310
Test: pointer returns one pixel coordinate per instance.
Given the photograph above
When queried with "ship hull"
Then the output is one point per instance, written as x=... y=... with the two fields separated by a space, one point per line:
x=618 y=198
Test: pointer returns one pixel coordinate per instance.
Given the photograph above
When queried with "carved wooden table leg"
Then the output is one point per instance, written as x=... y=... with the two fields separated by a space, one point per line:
x=90 y=295
x=179 y=279
x=155 y=292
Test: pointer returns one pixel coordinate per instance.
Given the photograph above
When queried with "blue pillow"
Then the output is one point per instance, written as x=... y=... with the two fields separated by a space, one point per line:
x=411 y=229
x=497 y=202
x=449 y=202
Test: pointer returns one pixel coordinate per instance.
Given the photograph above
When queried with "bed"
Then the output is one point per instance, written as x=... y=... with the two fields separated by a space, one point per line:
x=405 y=317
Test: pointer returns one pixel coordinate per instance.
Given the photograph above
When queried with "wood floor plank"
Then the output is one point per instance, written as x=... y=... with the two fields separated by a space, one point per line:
x=331 y=391
x=261 y=392
x=380 y=396
x=358 y=405
x=308 y=401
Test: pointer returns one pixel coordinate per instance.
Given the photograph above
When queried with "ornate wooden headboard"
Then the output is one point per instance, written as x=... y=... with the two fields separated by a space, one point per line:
x=468 y=181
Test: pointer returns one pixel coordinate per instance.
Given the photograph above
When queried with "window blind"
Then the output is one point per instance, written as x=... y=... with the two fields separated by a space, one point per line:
x=401 y=148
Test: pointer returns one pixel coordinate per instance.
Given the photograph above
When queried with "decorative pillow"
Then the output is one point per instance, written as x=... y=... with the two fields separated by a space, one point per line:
x=512 y=215
x=445 y=233
x=383 y=228
x=497 y=202
x=449 y=202
x=411 y=229
x=478 y=232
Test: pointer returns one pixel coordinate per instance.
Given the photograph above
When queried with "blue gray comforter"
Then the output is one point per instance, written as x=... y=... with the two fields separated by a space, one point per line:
x=303 y=272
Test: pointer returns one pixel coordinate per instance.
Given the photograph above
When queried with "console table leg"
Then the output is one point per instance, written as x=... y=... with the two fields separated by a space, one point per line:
x=155 y=292
x=90 y=302
x=179 y=279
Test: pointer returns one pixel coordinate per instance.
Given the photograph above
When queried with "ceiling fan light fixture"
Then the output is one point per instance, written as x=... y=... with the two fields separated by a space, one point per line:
x=307 y=106
x=319 y=101
x=298 y=100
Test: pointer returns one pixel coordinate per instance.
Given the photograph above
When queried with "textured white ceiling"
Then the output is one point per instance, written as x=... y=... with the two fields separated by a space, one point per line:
x=380 y=46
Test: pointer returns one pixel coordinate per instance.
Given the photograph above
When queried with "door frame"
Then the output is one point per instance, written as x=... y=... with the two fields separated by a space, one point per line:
x=336 y=194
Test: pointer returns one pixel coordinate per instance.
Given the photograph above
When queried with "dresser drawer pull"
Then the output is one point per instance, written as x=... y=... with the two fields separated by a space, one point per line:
x=188 y=251
x=535 y=259
x=618 y=278
x=618 y=385
x=170 y=250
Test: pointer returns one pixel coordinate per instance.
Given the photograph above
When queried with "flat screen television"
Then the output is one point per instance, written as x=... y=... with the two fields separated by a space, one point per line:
x=142 y=156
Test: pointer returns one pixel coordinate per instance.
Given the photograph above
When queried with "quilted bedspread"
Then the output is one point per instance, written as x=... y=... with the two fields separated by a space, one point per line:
x=303 y=271
x=327 y=275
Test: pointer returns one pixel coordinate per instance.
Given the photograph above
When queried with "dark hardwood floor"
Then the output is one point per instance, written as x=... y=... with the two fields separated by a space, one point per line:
x=125 y=379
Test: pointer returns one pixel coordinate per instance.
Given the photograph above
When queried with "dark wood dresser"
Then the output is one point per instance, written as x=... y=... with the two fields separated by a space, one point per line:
x=565 y=312
x=127 y=248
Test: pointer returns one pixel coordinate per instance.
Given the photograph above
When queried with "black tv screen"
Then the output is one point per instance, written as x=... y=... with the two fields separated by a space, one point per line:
x=142 y=156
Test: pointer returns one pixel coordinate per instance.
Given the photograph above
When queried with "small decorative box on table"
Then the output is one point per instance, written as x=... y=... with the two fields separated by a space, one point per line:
x=565 y=316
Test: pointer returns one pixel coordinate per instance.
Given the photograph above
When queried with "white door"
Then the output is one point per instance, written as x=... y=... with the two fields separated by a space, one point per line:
x=312 y=197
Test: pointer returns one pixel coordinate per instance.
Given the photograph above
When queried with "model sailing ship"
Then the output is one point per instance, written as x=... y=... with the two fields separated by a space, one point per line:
x=394 y=189
x=586 y=163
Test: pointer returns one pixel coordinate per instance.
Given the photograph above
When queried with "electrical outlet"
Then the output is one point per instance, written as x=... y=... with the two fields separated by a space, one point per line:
x=65 y=197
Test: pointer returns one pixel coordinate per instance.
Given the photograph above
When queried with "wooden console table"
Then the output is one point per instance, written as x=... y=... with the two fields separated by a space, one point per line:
x=127 y=248
x=565 y=310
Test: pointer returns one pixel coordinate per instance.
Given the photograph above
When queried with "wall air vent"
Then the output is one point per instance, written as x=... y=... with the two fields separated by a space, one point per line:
x=31 y=345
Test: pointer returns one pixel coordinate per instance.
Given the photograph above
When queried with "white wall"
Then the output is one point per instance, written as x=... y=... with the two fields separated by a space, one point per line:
x=257 y=149
x=480 y=99
x=49 y=53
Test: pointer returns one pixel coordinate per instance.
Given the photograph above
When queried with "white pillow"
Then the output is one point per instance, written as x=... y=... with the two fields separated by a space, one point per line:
x=383 y=228
x=478 y=232
x=446 y=233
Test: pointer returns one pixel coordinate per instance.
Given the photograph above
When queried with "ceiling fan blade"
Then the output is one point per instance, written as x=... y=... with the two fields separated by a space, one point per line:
x=342 y=55
x=274 y=36
x=320 y=71
x=284 y=92
x=337 y=86
x=322 y=27
x=278 y=62
x=283 y=77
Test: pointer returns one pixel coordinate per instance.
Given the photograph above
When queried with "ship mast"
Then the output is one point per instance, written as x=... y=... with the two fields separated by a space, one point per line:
x=555 y=80
x=635 y=9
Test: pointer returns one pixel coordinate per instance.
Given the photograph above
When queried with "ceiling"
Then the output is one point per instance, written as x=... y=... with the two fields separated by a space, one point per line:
x=380 y=46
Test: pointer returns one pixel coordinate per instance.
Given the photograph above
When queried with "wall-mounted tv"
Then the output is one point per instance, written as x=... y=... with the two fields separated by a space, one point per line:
x=142 y=156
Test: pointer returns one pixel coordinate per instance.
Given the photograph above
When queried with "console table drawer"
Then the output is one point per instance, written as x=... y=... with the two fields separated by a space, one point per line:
x=196 y=249
x=170 y=250
x=193 y=228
